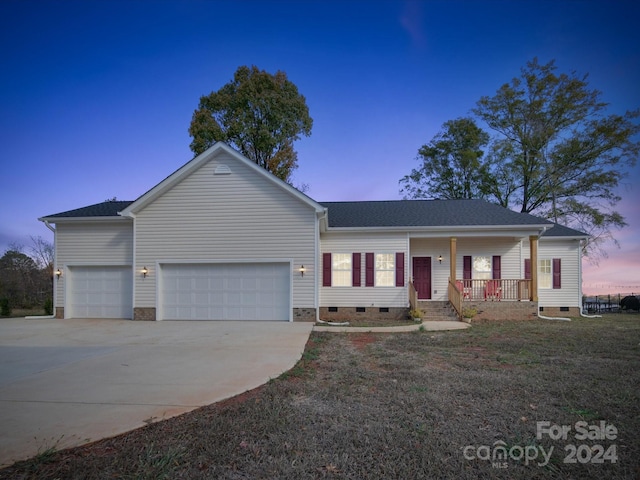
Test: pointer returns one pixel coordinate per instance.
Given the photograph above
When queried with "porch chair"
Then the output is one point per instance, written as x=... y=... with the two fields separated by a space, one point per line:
x=465 y=291
x=493 y=290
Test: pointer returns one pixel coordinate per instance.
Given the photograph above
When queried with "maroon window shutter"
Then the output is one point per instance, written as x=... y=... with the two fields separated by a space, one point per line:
x=496 y=273
x=326 y=269
x=556 y=273
x=369 y=269
x=466 y=267
x=527 y=269
x=356 y=265
x=400 y=269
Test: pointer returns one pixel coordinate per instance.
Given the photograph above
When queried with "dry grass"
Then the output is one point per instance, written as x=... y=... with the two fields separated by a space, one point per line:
x=371 y=406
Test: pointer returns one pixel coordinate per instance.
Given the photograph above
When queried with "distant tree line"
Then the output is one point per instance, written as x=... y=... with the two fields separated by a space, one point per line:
x=26 y=279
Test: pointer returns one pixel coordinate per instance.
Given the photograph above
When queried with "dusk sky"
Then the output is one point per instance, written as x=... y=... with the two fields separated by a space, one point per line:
x=97 y=96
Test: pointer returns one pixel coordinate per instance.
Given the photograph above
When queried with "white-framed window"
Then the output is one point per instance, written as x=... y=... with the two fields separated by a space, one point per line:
x=482 y=268
x=385 y=269
x=341 y=269
x=545 y=273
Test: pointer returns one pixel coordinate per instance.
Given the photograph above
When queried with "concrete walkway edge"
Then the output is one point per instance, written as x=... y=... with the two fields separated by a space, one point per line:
x=432 y=326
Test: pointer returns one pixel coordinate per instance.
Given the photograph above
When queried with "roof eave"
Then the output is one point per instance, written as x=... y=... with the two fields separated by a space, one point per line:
x=535 y=228
x=105 y=218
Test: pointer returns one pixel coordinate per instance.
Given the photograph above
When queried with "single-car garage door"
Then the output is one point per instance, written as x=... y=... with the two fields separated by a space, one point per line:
x=100 y=292
x=240 y=291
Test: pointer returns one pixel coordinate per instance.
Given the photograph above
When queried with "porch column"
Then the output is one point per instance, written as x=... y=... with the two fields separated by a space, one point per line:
x=452 y=258
x=533 y=255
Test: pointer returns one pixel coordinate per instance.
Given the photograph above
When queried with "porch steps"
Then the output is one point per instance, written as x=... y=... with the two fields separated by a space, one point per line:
x=437 y=311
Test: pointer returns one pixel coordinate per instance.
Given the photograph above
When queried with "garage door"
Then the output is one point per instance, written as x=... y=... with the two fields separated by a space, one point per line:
x=226 y=291
x=100 y=292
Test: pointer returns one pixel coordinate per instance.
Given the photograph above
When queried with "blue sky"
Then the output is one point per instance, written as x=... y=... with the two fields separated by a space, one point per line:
x=97 y=96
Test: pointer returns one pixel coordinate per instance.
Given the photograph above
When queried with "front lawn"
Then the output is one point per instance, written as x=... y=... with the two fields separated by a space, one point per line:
x=406 y=406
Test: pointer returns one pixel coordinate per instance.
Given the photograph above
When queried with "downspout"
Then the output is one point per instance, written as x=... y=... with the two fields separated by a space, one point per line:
x=48 y=225
x=543 y=317
x=582 y=314
x=324 y=217
x=55 y=266
x=553 y=318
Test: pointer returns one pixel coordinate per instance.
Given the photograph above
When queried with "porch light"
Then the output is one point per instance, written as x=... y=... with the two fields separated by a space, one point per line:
x=302 y=270
x=440 y=259
x=144 y=272
x=58 y=273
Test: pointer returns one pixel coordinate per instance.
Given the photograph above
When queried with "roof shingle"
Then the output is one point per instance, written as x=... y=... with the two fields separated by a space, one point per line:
x=109 y=208
x=424 y=213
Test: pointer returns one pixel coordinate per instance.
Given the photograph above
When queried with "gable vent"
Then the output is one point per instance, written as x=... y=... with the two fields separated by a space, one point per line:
x=222 y=169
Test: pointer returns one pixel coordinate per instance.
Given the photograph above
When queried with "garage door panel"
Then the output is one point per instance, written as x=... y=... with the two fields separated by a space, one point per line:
x=100 y=292
x=226 y=292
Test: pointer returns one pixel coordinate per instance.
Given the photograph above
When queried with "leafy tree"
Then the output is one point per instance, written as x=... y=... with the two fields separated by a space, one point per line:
x=557 y=154
x=259 y=114
x=18 y=274
x=452 y=164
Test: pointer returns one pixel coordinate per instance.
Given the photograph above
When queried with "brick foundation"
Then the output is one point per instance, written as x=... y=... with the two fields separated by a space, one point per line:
x=491 y=311
x=59 y=313
x=304 y=314
x=345 y=314
x=556 y=312
x=144 y=313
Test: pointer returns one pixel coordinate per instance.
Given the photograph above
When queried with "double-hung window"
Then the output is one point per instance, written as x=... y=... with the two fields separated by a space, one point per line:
x=482 y=268
x=545 y=273
x=341 y=269
x=385 y=269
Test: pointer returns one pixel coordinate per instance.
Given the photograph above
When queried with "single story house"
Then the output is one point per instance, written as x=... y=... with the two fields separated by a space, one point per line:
x=223 y=239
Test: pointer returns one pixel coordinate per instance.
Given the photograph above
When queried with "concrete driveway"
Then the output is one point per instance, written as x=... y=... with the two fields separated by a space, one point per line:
x=68 y=382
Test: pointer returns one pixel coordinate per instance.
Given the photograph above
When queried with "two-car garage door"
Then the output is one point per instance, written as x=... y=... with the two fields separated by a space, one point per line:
x=234 y=291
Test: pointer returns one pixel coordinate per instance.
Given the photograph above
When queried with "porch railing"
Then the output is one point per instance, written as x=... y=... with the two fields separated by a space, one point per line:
x=413 y=297
x=493 y=290
x=455 y=298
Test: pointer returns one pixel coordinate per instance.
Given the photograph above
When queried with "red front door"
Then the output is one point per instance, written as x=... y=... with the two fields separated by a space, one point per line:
x=422 y=277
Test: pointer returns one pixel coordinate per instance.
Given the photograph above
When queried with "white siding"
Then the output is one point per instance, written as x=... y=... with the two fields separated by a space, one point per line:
x=91 y=244
x=364 y=296
x=509 y=249
x=238 y=216
x=568 y=251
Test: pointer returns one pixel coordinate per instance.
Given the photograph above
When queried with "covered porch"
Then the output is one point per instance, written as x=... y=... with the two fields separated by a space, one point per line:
x=488 y=277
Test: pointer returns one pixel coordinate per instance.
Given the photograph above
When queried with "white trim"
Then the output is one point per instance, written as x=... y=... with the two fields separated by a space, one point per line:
x=159 y=276
x=57 y=220
x=448 y=231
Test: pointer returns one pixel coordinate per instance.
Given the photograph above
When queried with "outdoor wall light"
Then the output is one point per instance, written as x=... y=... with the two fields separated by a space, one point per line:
x=440 y=259
x=302 y=270
x=58 y=273
x=144 y=272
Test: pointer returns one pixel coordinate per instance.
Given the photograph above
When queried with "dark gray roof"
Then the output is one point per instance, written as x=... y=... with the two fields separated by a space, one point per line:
x=562 y=231
x=392 y=213
x=105 y=209
x=425 y=213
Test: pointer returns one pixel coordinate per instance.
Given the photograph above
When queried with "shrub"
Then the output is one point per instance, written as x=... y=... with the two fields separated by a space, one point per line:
x=5 y=308
x=630 y=302
x=48 y=306
x=469 y=312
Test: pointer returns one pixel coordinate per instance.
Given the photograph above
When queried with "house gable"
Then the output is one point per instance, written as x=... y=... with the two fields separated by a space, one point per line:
x=216 y=151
